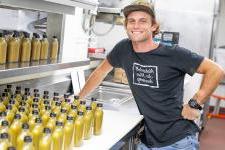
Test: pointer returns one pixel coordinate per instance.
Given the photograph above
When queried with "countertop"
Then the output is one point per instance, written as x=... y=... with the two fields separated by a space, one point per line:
x=115 y=126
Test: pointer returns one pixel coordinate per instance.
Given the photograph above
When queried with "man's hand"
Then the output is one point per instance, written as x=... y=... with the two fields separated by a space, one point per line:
x=190 y=113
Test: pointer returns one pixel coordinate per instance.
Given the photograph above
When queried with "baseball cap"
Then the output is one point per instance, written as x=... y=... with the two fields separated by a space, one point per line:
x=139 y=6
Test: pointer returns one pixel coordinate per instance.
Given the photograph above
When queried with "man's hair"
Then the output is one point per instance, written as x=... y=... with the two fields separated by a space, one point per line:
x=145 y=7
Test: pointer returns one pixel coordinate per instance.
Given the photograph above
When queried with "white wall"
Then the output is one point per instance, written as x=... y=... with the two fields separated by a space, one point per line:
x=75 y=40
x=18 y=19
x=221 y=30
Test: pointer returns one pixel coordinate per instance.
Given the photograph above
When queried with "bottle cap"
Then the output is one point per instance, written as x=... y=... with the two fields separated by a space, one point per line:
x=46 y=102
x=4 y=135
x=99 y=105
x=18 y=92
x=3 y=114
x=46 y=92
x=17 y=116
x=27 y=89
x=53 y=115
x=35 y=112
x=69 y=118
x=76 y=97
x=34 y=105
x=46 y=97
x=11 y=148
x=88 y=108
x=38 y=120
x=55 y=94
x=63 y=110
x=18 y=87
x=36 y=95
x=21 y=109
x=73 y=106
x=66 y=95
x=25 y=126
x=5 y=123
x=27 y=139
x=9 y=107
x=4 y=94
x=80 y=113
x=47 y=130
x=9 y=86
x=36 y=90
x=67 y=100
x=58 y=123
x=93 y=99
x=82 y=102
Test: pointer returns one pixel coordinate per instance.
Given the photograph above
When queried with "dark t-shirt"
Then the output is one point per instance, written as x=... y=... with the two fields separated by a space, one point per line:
x=156 y=79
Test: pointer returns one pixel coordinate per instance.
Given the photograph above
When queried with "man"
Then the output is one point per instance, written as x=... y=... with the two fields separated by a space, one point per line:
x=156 y=77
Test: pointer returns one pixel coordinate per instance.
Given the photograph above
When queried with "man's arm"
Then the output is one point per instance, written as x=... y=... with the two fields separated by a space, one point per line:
x=213 y=74
x=96 y=78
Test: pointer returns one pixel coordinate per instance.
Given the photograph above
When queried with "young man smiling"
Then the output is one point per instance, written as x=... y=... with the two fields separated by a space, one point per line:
x=156 y=77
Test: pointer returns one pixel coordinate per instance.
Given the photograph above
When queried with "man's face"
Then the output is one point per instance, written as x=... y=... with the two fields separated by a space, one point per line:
x=139 y=26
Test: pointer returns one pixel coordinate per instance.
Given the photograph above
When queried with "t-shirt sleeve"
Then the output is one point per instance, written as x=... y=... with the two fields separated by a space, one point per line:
x=114 y=56
x=187 y=60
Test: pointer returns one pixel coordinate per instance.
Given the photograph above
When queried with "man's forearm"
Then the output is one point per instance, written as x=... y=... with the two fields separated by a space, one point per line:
x=209 y=83
x=96 y=78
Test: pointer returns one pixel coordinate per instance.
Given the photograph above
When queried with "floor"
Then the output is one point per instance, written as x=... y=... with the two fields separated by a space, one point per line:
x=213 y=135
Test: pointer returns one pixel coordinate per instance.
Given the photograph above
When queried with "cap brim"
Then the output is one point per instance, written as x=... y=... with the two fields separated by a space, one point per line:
x=131 y=8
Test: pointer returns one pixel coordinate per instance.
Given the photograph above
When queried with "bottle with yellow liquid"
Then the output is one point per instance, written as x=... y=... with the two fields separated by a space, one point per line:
x=44 y=47
x=73 y=111
x=78 y=129
x=11 y=148
x=9 y=114
x=25 y=48
x=34 y=106
x=93 y=104
x=82 y=107
x=57 y=108
x=9 y=90
x=37 y=132
x=45 y=142
x=14 y=108
x=68 y=133
x=3 y=49
x=2 y=106
x=5 y=99
x=20 y=139
x=52 y=121
x=57 y=136
x=54 y=48
x=46 y=114
x=4 y=141
x=18 y=96
x=13 y=48
x=98 y=117
x=34 y=114
x=4 y=128
x=35 y=47
x=88 y=122
x=66 y=104
x=76 y=100
x=27 y=143
x=23 y=114
x=62 y=116
x=2 y=116
x=15 y=129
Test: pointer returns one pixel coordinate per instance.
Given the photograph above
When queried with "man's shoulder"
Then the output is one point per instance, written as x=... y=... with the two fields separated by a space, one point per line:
x=123 y=42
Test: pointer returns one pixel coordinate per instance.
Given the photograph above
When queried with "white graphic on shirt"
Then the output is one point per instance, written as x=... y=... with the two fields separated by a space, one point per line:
x=145 y=75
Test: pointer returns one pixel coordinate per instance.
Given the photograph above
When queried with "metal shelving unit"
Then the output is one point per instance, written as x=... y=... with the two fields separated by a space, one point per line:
x=52 y=6
x=15 y=72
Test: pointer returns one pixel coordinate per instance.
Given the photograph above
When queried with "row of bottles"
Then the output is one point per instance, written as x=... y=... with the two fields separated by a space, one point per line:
x=20 y=48
x=28 y=120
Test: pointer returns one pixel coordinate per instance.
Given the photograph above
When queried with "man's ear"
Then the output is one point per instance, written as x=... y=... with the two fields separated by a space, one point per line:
x=154 y=27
